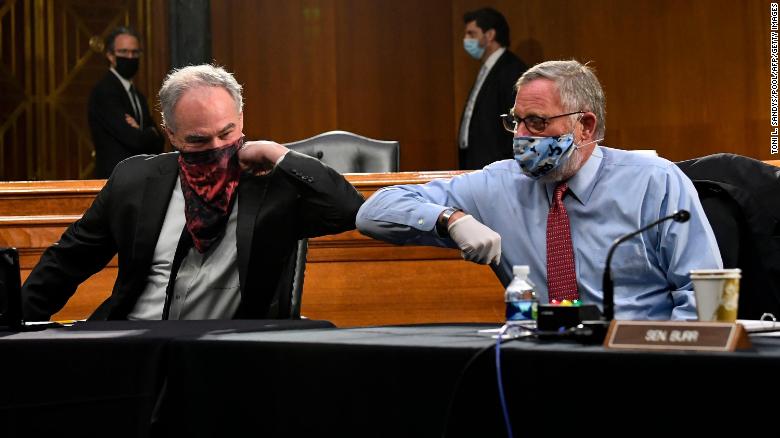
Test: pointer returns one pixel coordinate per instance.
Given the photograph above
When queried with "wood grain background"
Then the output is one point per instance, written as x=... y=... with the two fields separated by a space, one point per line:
x=685 y=77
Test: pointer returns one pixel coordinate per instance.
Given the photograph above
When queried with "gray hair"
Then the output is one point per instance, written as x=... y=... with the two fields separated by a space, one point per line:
x=205 y=75
x=578 y=87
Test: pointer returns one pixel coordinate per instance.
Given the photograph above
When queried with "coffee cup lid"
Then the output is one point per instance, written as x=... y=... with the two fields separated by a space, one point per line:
x=715 y=273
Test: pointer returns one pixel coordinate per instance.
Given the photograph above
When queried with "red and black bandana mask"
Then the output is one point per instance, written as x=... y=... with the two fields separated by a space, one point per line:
x=208 y=181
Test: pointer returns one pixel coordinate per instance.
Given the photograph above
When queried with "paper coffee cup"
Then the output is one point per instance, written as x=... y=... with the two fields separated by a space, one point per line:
x=717 y=293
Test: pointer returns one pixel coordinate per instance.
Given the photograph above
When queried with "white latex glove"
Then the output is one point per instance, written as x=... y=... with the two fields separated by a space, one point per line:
x=478 y=243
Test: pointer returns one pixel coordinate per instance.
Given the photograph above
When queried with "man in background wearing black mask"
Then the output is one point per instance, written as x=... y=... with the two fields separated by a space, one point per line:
x=118 y=113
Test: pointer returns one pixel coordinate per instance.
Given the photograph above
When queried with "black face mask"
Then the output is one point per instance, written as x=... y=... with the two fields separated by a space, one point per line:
x=126 y=67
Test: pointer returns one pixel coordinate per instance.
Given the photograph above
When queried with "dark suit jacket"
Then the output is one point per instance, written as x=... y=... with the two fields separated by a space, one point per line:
x=300 y=198
x=113 y=138
x=488 y=140
x=740 y=197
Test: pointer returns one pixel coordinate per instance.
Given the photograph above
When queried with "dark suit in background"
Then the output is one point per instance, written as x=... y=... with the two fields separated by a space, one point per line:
x=114 y=139
x=300 y=198
x=488 y=140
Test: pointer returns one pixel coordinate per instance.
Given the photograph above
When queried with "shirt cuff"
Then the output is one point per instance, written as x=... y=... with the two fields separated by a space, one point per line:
x=425 y=217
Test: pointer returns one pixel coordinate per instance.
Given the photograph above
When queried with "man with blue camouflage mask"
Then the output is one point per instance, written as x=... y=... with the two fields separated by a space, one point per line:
x=560 y=203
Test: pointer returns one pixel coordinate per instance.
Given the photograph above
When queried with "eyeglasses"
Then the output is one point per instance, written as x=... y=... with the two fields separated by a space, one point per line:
x=535 y=124
x=128 y=53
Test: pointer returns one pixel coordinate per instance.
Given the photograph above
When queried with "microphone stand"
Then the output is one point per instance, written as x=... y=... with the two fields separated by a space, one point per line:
x=598 y=329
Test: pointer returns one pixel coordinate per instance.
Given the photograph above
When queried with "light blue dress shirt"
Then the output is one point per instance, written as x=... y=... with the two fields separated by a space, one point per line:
x=614 y=193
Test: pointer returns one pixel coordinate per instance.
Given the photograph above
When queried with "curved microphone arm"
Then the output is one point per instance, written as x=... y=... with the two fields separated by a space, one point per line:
x=607 y=286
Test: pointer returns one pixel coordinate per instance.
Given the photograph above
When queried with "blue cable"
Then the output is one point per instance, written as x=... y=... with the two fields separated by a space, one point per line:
x=501 y=384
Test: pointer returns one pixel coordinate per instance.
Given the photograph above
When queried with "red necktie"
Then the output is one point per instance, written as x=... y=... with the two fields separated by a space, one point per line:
x=561 y=276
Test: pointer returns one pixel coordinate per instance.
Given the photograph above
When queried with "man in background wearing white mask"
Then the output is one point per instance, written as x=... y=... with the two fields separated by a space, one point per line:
x=559 y=205
x=481 y=140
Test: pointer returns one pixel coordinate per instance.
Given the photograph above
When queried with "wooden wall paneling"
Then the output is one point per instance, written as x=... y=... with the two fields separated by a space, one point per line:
x=284 y=55
x=395 y=77
x=48 y=66
x=156 y=60
x=402 y=291
x=773 y=162
x=685 y=77
x=20 y=199
x=379 y=69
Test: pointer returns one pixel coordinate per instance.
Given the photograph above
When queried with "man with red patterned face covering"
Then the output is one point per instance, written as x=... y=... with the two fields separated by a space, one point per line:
x=206 y=232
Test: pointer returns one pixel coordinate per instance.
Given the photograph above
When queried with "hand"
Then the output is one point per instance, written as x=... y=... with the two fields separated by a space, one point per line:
x=261 y=156
x=131 y=121
x=478 y=243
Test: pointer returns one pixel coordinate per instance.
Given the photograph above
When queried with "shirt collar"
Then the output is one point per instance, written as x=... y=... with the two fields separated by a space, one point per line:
x=125 y=82
x=583 y=182
x=493 y=58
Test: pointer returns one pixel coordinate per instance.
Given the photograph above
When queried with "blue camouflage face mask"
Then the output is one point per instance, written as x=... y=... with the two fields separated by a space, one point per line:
x=538 y=156
x=471 y=45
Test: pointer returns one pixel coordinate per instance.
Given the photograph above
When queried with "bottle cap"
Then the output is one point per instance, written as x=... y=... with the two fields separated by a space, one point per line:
x=520 y=270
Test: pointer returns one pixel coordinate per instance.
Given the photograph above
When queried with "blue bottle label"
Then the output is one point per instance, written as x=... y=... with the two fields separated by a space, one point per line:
x=521 y=310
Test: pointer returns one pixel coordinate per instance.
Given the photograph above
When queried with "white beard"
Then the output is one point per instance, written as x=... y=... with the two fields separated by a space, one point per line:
x=565 y=171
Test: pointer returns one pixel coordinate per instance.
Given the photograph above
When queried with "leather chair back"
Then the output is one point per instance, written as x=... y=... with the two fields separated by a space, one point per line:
x=351 y=153
x=739 y=197
x=345 y=152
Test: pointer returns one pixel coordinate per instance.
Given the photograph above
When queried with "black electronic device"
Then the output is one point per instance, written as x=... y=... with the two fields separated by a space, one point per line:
x=558 y=318
x=11 y=317
x=10 y=290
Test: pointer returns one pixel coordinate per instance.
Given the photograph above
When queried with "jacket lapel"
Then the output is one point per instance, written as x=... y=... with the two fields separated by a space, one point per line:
x=125 y=96
x=490 y=78
x=251 y=192
x=158 y=189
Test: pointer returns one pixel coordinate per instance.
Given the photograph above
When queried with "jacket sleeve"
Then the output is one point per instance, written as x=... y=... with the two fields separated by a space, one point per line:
x=407 y=214
x=84 y=248
x=328 y=203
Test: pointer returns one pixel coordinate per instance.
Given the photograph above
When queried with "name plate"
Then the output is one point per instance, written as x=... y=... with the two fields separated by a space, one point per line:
x=675 y=336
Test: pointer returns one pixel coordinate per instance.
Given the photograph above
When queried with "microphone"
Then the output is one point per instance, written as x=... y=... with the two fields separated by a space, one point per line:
x=607 y=285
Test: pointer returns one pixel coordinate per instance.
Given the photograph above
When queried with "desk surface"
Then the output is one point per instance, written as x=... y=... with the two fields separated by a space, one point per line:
x=401 y=381
x=230 y=378
x=96 y=378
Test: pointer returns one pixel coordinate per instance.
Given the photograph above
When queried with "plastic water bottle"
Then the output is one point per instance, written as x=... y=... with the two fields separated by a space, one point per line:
x=521 y=301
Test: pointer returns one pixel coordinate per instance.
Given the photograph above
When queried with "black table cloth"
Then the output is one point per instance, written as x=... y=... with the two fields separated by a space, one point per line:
x=96 y=378
x=402 y=381
x=305 y=378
